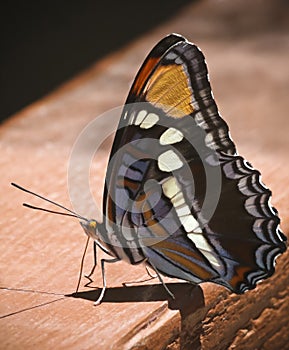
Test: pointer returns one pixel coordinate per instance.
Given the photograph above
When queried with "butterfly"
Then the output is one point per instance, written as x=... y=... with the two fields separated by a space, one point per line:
x=177 y=195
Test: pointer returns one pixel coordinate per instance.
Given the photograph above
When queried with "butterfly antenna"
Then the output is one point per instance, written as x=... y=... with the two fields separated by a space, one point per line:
x=49 y=211
x=72 y=213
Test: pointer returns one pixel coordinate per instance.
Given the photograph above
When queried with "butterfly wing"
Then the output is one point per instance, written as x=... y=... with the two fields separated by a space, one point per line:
x=177 y=194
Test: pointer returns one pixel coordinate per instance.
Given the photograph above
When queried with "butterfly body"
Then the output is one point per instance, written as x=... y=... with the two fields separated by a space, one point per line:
x=177 y=194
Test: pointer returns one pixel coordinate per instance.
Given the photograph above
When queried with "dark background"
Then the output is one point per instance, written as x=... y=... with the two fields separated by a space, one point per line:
x=46 y=43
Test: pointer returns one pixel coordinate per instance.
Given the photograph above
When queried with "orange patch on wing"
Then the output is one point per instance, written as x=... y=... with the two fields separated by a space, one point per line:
x=172 y=251
x=144 y=74
x=239 y=276
x=109 y=209
x=158 y=233
x=153 y=224
x=169 y=89
x=128 y=183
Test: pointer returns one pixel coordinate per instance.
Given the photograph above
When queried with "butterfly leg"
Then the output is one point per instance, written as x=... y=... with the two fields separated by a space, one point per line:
x=150 y=274
x=103 y=261
x=161 y=280
x=81 y=265
x=94 y=261
x=90 y=280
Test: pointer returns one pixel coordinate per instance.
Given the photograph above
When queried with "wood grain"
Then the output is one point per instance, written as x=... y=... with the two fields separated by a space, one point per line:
x=40 y=253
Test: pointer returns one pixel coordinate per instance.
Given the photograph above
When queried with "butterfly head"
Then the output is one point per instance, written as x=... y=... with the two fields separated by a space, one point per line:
x=90 y=228
x=95 y=230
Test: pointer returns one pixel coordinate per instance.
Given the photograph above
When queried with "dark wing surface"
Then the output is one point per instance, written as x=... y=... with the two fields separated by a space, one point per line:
x=177 y=193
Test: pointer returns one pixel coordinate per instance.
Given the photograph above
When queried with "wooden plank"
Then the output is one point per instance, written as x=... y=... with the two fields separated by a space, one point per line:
x=40 y=253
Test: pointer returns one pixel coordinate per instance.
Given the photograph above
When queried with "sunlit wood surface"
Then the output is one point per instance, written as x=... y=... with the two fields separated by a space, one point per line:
x=246 y=48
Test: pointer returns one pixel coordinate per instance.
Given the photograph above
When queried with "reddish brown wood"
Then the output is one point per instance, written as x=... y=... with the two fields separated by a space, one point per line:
x=40 y=253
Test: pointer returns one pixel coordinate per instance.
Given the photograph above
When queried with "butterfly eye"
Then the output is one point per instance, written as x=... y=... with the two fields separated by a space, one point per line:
x=92 y=224
x=89 y=228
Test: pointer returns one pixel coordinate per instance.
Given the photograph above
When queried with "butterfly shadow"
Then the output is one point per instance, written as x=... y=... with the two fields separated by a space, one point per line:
x=189 y=300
